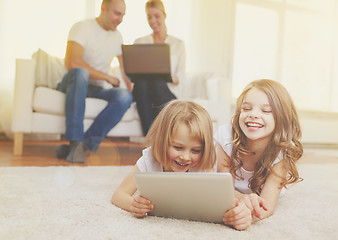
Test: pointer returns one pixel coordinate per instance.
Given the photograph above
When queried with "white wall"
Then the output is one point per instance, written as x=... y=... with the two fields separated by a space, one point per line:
x=2 y=59
x=207 y=27
x=211 y=44
x=319 y=128
x=216 y=47
x=26 y=26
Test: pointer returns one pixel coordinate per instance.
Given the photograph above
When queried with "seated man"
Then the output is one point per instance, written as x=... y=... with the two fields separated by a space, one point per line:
x=91 y=46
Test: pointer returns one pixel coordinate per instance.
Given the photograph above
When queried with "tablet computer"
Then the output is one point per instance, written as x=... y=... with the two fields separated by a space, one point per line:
x=147 y=61
x=192 y=196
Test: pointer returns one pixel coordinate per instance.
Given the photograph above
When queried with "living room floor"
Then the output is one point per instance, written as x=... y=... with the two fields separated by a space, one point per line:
x=42 y=153
x=118 y=153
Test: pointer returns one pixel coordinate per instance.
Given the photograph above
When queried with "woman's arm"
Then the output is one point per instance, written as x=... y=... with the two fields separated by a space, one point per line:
x=179 y=73
x=123 y=197
x=126 y=79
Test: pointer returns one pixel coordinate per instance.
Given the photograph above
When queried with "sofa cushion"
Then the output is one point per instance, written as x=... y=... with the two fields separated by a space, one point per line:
x=51 y=101
x=49 y=70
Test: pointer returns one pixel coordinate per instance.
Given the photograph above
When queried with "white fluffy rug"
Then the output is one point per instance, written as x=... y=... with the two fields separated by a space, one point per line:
x=74 y=203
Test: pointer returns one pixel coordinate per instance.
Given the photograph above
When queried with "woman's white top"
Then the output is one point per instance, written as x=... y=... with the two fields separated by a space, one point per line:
x=177 y=58
x=224 y=139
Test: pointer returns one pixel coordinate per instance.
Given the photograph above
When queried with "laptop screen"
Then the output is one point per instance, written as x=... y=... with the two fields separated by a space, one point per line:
x=146 y=59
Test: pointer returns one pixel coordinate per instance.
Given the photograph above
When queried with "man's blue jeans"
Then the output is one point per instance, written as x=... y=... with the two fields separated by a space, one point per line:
x=76 y=86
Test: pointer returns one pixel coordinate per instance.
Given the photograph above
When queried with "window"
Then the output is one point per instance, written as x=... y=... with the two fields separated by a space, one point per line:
x=292 y=41
x=26 y=26
x=44 y=25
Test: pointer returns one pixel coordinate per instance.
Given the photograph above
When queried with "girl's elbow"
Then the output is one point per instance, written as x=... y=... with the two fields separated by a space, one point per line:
x=270 y=210
x=267 y=214
x=113 y=199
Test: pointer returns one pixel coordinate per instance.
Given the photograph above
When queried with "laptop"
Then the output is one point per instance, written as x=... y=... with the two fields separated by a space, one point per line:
x=192 y=196
x=150 y=61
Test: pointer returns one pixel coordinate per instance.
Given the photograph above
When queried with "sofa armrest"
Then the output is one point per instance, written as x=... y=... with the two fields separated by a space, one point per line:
x=23 y=95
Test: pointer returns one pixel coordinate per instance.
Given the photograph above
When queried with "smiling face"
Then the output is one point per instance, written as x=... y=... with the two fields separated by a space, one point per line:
x=256 y=119
x=184 y=152
x=156 y=19
x=112 y=14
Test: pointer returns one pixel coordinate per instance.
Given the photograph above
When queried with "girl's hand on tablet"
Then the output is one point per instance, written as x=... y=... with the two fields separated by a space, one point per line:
x=140 y=206
x=239 y=216
x=255 y=203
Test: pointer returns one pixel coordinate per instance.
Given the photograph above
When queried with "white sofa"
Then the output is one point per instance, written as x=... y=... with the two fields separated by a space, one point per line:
x=40 y=109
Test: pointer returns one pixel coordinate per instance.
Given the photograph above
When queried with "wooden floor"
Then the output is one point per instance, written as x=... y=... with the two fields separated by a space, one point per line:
x=111 y=153
x=42 y=153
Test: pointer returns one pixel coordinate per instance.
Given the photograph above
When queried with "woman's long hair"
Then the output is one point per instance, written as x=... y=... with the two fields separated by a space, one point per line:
x=285 y=140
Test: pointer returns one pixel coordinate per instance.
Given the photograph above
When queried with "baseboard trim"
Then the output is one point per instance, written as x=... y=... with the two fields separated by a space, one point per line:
x=321 y=145
x=3 y=136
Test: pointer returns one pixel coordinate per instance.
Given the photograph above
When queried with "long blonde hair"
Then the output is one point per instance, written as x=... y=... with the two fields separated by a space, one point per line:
x=156 y=4
x=174 y=114
x=286 y=136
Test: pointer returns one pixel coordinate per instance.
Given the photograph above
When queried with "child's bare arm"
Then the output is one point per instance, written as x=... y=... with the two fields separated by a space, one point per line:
x=239 y=216
x=140 y=206
x=222 y=159
x=123 y=197
x=263 y=206
x=272 y=189
x=254 y=202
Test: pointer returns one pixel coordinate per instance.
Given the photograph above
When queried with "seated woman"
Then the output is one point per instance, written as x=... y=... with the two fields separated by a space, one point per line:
x=150 y=95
